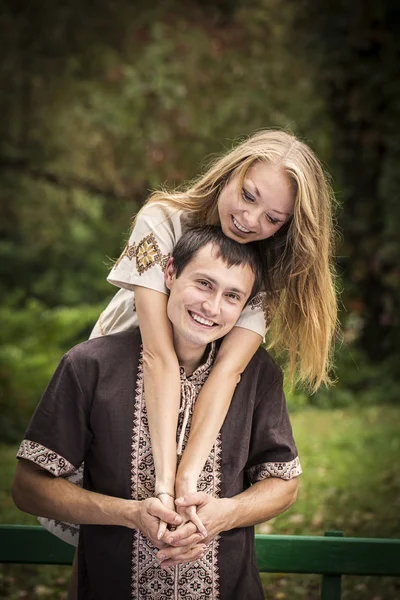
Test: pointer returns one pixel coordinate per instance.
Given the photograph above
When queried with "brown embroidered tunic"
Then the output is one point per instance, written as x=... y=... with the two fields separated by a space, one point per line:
x=93 y=410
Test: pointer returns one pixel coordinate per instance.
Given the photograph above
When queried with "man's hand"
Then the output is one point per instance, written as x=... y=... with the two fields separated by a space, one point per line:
x=214 y=514
x=151 y=511
x=148 y=519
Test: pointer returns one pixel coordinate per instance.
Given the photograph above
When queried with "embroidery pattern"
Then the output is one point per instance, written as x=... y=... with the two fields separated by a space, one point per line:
x=66 y=531
x=148 y=254
x=194 y=581
x=128 y=251
x=260 y=301
x=42 y=456
x=284 y=470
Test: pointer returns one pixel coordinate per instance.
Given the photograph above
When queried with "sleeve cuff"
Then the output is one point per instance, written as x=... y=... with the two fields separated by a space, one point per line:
x=283 y=470
x=53 y=462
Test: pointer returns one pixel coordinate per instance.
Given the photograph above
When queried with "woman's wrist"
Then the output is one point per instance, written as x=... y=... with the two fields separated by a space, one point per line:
x=185 y=483
x=165 y=485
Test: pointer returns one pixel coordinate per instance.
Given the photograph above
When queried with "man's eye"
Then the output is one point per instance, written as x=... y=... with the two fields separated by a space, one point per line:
x=248 y=197
x=204 y=283
x=234 y=297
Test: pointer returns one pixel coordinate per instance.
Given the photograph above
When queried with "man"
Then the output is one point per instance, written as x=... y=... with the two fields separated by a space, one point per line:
x=94 y=411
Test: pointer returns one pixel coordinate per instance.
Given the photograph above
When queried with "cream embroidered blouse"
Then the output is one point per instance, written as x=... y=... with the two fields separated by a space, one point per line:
x=157 y=229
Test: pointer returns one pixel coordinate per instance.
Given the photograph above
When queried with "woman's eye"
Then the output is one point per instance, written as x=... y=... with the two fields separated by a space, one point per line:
x=272 y=220
x=248 y=197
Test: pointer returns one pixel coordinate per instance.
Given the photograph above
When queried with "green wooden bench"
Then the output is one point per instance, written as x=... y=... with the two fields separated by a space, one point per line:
x=331 y=556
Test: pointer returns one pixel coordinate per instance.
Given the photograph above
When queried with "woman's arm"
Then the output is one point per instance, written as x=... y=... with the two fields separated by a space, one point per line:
x=161 y=384
x=213 y=403
x=162 y=392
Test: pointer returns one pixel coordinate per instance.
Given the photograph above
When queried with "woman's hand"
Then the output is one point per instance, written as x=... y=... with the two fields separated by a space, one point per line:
x=189 y=513
x=185 y=485
x=168 y=501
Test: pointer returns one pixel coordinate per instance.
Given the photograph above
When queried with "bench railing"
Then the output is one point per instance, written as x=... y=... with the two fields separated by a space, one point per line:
x=331 y=556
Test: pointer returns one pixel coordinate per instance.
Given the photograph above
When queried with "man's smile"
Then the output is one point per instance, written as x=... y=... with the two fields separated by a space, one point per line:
x=201 y=320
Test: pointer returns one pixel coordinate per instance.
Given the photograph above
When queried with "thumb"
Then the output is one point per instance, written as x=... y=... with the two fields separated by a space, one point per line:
x=193 y=499
x=163 y=513
x=194 y=517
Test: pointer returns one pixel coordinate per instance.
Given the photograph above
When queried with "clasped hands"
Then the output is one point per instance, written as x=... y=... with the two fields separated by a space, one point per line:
x=188 y=539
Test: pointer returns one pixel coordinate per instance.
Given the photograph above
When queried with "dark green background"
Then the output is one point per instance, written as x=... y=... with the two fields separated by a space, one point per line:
x=103 y=101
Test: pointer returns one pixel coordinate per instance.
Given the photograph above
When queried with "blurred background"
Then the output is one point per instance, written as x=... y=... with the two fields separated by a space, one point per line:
x=102 y=102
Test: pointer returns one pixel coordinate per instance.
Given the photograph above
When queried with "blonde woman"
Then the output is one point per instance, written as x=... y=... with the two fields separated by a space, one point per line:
x=270 y=191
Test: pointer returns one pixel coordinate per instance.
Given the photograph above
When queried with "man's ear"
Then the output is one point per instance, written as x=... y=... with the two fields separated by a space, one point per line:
x=169 y=273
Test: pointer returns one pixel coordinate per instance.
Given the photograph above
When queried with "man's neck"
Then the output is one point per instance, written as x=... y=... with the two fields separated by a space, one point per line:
x=189 y=356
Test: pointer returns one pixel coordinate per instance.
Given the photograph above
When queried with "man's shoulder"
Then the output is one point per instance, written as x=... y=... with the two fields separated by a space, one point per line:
x=263 y=367
x=107 y=350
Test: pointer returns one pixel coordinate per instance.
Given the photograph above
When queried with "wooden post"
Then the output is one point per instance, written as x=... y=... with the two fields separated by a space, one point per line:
x=332 y=584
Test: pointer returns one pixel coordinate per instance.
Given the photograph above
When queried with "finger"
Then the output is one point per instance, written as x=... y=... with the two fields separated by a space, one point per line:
x=194 y=517
x=162 y=527
x=178 y=553
x=191 y=540
x=193 y=554
x=195 y=499
x=178 y=537
x=167 y=500
x=157 y=509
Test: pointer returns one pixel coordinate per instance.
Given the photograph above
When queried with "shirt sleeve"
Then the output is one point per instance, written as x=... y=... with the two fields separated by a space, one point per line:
x=255 y=315
x=119 y=315
x=157 y=229
x=59 y=431
x=273 y=451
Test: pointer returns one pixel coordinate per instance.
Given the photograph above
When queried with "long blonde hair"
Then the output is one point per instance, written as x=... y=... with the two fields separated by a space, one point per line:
x=299 y=275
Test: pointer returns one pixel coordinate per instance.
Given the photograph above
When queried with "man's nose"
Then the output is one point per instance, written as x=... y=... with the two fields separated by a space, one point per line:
x=211 y=305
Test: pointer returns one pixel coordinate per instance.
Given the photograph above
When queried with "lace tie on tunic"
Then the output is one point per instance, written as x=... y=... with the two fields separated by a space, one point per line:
x=188 y=398
x=190 y=388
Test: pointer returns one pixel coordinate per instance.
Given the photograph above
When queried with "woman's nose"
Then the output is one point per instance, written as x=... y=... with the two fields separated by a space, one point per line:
x=251 y=218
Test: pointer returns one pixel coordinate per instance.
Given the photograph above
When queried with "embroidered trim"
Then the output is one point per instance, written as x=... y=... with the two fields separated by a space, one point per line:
x=73 y=529
x=193 y=581
x=190 y=387
x=260 y=301
x=45 y=458
x=65 y=531
x=283 y=470
x=148 y=254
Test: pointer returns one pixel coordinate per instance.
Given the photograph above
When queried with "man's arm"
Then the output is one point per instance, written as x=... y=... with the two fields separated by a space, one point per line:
x=38 y=492
x=262 y=501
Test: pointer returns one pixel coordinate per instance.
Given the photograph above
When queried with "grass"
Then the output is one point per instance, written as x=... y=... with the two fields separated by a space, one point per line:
x=351 y=482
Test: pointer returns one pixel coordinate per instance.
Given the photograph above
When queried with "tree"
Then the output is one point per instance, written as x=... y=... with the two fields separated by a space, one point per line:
x=354 y=47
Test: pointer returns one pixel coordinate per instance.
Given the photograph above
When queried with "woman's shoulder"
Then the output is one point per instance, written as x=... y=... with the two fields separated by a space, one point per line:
x=160 y=211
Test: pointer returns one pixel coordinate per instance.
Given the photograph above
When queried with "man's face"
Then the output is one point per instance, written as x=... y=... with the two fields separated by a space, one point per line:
x=208 y=296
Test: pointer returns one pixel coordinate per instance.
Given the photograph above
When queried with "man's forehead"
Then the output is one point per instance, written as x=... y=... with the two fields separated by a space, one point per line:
x=209 y=262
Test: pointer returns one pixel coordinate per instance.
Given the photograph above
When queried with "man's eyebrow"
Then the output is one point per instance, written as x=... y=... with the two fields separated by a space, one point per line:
x=271 y=209
x=215 y=282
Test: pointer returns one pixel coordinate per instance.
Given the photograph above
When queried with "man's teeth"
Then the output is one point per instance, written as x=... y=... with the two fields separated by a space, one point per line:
x=201 y=320
x=239 y=226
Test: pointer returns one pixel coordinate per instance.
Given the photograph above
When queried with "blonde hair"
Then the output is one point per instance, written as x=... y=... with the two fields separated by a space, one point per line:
x=299 y=277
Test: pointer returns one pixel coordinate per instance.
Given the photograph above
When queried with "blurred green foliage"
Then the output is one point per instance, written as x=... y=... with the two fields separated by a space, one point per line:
x=33 y=340
x=98 y=107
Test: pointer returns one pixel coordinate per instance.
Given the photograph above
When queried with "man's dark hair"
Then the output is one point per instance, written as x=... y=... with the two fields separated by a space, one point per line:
x=231 y=252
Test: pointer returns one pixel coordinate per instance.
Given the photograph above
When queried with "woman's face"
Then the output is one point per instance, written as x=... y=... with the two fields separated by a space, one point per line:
x=260 y=207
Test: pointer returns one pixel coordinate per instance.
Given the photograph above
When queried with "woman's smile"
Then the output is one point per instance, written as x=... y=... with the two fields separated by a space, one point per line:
x=259 y=210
